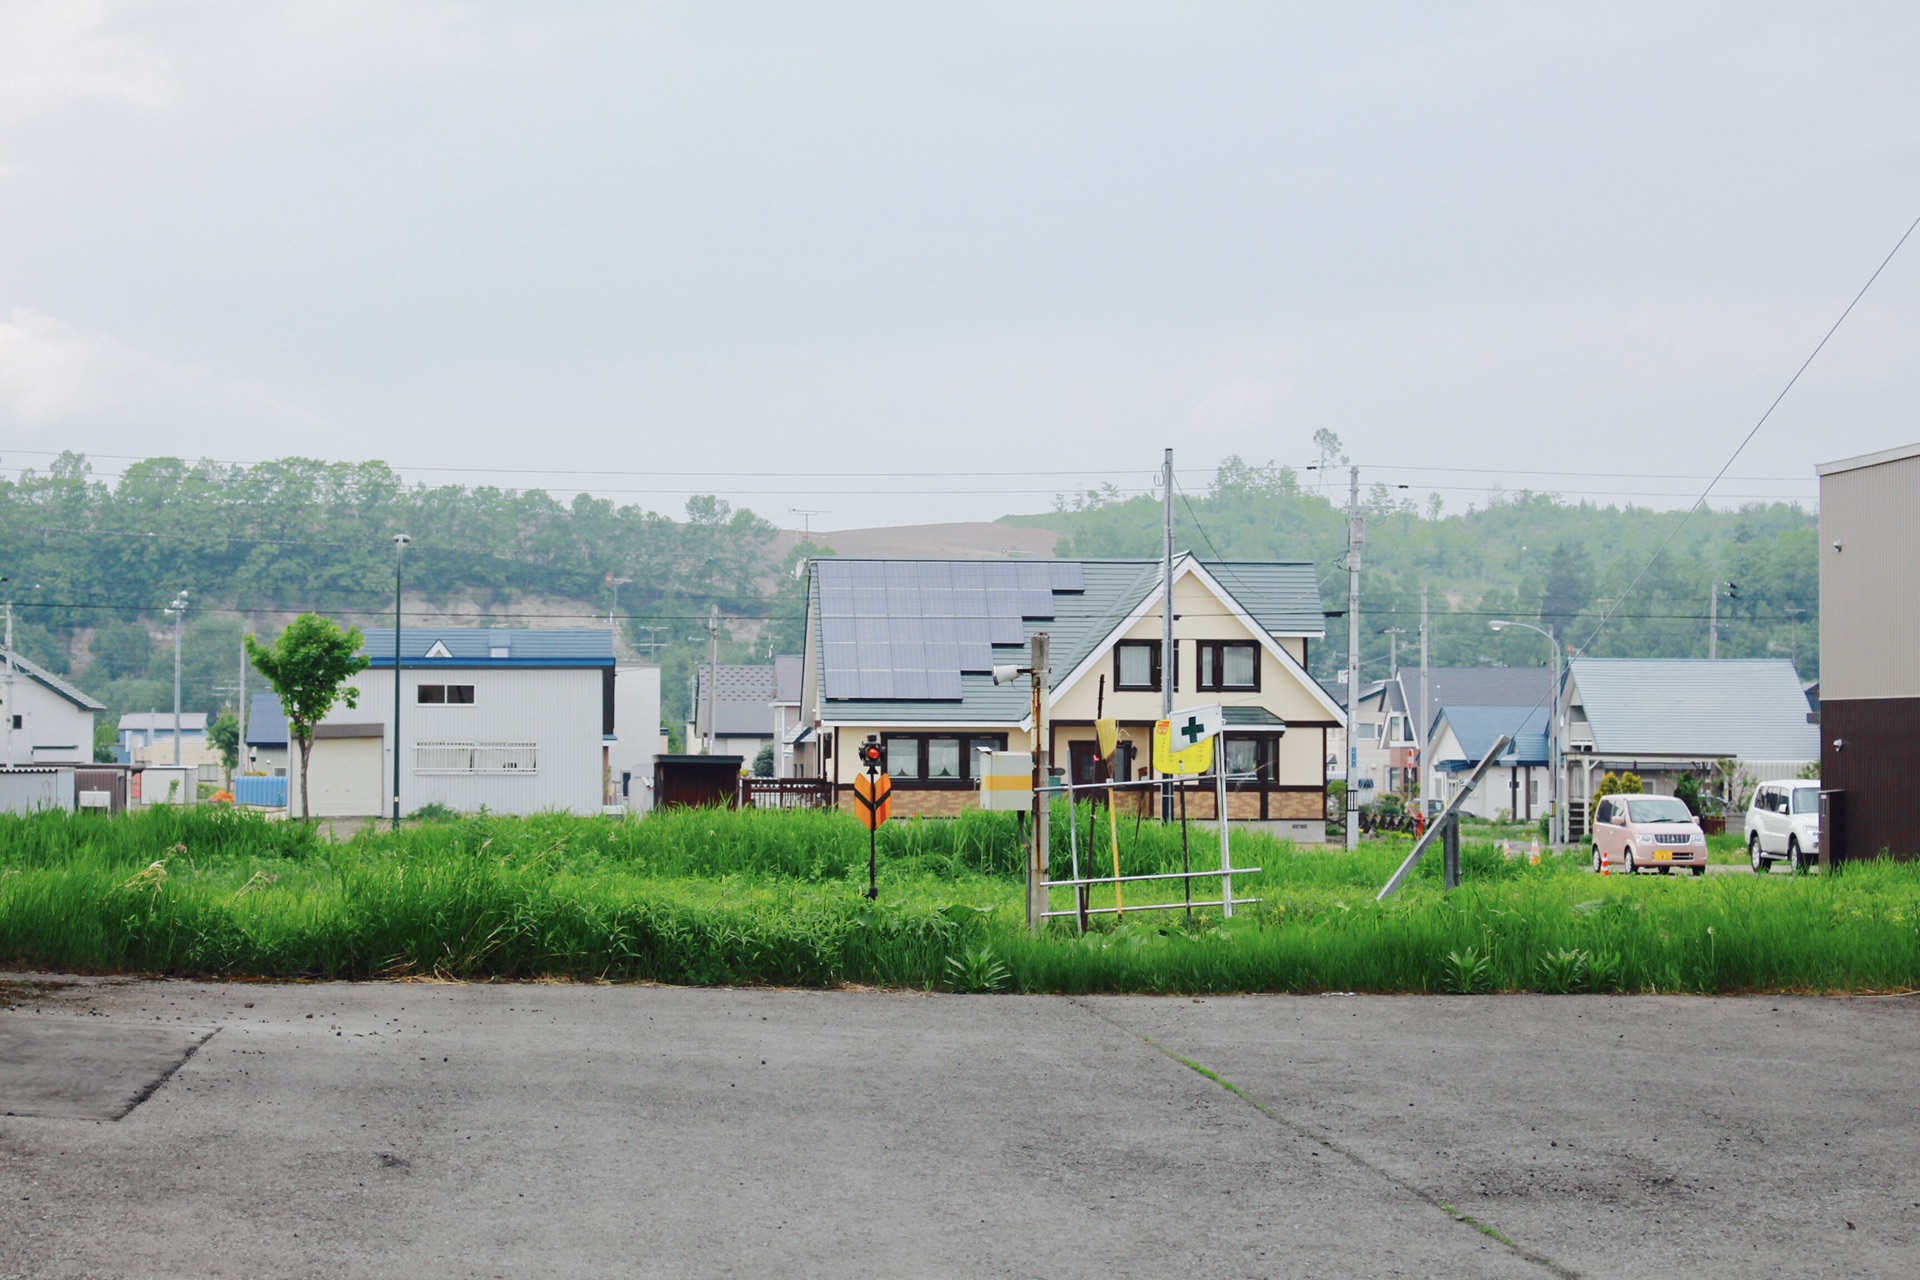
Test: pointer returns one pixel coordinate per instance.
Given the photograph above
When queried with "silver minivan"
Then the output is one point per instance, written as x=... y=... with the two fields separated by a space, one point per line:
x=1783 y=824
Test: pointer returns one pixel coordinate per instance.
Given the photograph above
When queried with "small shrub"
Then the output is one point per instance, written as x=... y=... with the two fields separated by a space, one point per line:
x=977 y=970
x=1603 y=971
x=1563 y=971
x=1468 y=972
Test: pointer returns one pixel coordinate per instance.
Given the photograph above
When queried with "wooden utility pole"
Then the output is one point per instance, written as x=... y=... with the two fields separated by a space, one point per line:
x=1037 y=858
x=1169 y=657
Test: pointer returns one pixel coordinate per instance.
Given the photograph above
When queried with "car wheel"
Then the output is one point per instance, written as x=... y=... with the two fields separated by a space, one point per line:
x=1633 y=868
x=1795 y=859
x=1597 y=860
x=1757 y=858
x=1699 y=871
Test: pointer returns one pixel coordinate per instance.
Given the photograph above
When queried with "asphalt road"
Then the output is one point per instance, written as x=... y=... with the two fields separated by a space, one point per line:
x=430 y=1130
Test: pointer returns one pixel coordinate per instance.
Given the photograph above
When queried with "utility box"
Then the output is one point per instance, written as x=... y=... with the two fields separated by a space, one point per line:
x=1006 y=781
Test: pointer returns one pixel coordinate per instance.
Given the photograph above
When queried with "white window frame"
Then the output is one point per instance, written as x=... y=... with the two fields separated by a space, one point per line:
x=493 y=758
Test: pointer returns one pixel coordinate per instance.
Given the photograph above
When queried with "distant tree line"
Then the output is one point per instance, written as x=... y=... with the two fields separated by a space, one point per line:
x=1527 y=556
x=91 y=564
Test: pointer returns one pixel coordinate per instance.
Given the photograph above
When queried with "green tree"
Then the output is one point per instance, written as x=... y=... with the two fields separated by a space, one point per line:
x=120 y=650
x=308 y=666
x=224 y=734
x=763 y=763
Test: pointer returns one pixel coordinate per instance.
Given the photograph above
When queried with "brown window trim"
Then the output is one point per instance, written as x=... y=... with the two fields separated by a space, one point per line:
x=966 y=780
x=1153 y=649
x=1210 y=659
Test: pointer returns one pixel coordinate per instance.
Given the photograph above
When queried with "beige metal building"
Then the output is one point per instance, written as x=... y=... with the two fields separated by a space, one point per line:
x=1870 y=652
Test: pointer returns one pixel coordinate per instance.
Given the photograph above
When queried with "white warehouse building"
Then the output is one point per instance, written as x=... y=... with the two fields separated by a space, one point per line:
x=515 y=721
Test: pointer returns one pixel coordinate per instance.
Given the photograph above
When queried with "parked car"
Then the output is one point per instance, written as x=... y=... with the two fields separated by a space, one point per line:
x=1647 y=833
x=1783 y=822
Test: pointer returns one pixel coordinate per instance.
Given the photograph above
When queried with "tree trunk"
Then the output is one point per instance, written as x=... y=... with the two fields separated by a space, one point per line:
x=306 y=748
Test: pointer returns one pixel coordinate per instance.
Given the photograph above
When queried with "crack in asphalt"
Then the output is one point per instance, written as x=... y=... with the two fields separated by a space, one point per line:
x=1345 y=1152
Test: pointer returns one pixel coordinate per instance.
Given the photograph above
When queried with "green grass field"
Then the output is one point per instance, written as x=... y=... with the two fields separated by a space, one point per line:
x=711 y=897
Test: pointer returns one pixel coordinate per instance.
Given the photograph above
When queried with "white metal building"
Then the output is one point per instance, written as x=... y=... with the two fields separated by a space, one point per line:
x=513 y=721
x=47 y=720
x=636 y=717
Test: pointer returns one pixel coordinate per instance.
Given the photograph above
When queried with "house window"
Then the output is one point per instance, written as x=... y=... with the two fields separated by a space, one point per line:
x=1251 y=760
x=1369 y=732
x=1136 y=665
x=476 y=757
x=1228 y=664
x=937 y=759
x=438 y=695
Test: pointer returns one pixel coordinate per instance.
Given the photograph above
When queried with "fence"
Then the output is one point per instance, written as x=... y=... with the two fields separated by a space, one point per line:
x=786 y=793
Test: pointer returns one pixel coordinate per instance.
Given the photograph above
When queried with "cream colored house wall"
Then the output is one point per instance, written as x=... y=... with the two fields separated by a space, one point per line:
x=1198 y=615
x=1869 y=594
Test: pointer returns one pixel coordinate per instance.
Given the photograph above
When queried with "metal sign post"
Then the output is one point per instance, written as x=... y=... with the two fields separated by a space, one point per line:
x=873 y=802
x=1447 y=822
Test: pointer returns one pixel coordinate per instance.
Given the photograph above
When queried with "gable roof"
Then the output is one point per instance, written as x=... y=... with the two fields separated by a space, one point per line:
x=742 y=701
x=266 y=721
x=40 y=675
x=1081 y=604
x=786 y=678
x=1476 y=729
x=474 y=647
x=1749 y=709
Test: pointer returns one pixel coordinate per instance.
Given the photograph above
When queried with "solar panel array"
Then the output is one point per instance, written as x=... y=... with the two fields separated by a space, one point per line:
x=910 y=628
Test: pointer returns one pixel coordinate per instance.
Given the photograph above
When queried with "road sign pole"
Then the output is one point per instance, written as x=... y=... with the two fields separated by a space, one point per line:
x=873 y=843
x=1037 y=861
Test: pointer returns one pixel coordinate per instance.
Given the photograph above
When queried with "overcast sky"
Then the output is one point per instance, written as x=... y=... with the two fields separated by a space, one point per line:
x=1018 y=248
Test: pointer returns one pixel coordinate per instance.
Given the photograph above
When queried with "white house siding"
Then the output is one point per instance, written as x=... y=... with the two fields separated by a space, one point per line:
x=636 y=725
x=52 y=729
x=558 y=710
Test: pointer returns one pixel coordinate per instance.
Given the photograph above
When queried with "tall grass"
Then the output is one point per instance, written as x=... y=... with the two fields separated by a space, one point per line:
x=711 y=897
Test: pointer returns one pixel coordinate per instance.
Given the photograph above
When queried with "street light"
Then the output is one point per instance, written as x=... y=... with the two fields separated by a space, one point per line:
x=179 y=610
x=1557 y=821
x=400 y=544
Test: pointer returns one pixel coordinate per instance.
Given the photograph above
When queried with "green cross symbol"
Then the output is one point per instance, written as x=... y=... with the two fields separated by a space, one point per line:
x=1192 y=730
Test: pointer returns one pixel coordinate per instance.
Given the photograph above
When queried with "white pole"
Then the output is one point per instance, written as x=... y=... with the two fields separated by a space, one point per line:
x=1713 y=620
x=1355 y=537
x=179 y=610
x=1557 y=829
x=240 y=750
x=1220 y=802
x=713 y=667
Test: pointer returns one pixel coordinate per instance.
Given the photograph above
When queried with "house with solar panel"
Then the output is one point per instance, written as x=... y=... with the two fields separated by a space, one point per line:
x=904 y=649
x=509 y=720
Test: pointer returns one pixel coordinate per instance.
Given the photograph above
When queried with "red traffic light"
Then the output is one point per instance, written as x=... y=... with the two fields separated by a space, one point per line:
x=870 y=752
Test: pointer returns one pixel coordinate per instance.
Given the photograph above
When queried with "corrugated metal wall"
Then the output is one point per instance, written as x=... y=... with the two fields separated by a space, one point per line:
x=1869 y=590
x=559 y=711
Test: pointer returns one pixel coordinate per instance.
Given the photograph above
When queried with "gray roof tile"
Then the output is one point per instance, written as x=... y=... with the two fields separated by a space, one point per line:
x=1749 y=709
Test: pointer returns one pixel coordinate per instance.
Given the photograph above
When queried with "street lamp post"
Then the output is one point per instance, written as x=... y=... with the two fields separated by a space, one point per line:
x=179 y=610
x=400 y=543
x=1557 y=821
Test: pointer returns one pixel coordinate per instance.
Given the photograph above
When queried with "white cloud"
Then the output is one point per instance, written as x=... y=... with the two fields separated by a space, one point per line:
x=57 y=375
x=60 y=54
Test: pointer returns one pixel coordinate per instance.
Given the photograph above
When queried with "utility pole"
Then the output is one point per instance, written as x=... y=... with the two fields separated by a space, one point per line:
x=1793 y=612
x=400 y=541
x=652 y=645
x=1421 y=740
x=179 y=610
x=1169 y=656
x=614 y=606
x=241 y=747
x=1039 y=660
x=1713 y=615
x=1356 y=538
x=10 y=713
x=713 y=666
x=1393 y=635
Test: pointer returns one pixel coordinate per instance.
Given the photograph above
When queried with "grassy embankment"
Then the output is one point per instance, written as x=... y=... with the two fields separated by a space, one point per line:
x=776 y=898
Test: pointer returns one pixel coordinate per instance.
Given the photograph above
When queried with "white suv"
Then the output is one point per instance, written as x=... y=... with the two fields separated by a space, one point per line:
x=1784 y=822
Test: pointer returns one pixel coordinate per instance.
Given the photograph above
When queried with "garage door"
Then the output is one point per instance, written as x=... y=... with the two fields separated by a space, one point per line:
x=344 y=779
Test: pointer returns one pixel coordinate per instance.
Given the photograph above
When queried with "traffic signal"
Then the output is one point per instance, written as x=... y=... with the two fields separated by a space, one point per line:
x=870 y=753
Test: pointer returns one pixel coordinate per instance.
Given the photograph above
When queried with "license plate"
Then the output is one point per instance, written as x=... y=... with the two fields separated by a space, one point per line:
x=1663 y=855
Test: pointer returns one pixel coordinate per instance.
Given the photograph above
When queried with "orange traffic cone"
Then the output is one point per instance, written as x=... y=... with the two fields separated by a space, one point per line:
x=1606 y=868
x=1533 y=852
